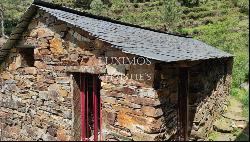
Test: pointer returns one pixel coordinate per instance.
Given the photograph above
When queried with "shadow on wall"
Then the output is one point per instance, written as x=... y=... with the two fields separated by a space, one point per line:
x=208 y=91
x=209 y=83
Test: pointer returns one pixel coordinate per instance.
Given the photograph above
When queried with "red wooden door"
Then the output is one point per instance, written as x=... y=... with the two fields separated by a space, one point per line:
x=90 y=107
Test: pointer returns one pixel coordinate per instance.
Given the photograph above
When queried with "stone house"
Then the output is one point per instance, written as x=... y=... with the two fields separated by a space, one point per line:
x=70 y=75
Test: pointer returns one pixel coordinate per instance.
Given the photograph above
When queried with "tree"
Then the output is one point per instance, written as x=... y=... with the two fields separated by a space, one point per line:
x=97 y=6
x=192 y=3
x=170 y=14
x=83 y=4
x=2 y=21
x=10 y=12
x=67 y=3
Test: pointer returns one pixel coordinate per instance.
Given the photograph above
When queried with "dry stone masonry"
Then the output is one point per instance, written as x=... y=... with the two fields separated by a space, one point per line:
x=38 y=98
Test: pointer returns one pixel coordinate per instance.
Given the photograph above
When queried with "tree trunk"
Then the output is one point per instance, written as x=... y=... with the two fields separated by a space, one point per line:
x=1 y=18
x=2 y=24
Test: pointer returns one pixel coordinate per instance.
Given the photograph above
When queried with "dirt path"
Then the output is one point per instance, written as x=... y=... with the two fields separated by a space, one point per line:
x=232 y=125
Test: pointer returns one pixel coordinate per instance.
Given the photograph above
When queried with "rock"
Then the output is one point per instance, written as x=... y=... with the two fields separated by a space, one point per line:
x=83 y=45
x=53 y=95
x=43 y=95
x=118 y=130
x=44 y=51
x=223 y=126
x=63 y=93
x=129 y=104
x=52 y=131
x=61 y=135
x=137 y=123
x=151 y=111
x=110 y=137
x=30 y=70
x=129 y=91
x=32 y=24
x=112 y=94
x=19 y=61
x=59 y=68
x=125 y=132
x=241 y=124
x=245 y=85
x=7 y=76
x=59 y=27
x=67 y=114
x=109 y=100
x=200 y=134
x=109 y=116
x=43 y=43
x=139 y=136
x=43 y=32
x=146 y=93
x=234 y=117
x=10 y=81
x=115 y=69
x=58 y=88
x=12 y=67
x=98 y=43
x=56 y=46
x=48 y=137
x=143 y=100
x=62 y=80
x=128 y=110
x=74 y=57
x=225 y=137
x=40 y=65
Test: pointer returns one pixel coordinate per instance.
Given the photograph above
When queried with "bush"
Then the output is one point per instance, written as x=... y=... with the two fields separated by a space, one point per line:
x=97 y=7
x=242 y=4
x=191 y=3
x=170 y=13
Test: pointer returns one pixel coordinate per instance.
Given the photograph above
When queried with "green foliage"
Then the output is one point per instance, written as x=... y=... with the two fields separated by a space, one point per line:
x=212 y=136
x=222 y=24
x=243 y=137
x=97 y=7
x=243 y=96
x=170 y=13
x=84 y=4
x=242 y=4
x=67 y=3
x=191 y=3
x=230 y=34
x=13 y=10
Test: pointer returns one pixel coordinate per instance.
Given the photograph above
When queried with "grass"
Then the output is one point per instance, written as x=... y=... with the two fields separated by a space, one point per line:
x=241 y=135
x=243 y=96
x=212 y=136
x=230 y=35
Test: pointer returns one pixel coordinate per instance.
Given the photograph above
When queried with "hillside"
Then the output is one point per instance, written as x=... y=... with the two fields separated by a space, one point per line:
x=223 y=24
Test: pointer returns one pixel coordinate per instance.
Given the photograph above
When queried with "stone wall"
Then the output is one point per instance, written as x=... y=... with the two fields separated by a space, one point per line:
x=39 y=99
x=132 y=112
x=210 y=83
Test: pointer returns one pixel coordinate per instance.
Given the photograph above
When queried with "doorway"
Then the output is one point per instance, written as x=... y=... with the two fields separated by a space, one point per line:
x=90 y=104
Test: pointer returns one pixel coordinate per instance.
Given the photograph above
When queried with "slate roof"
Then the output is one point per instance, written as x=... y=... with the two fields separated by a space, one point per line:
x=134 y=39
